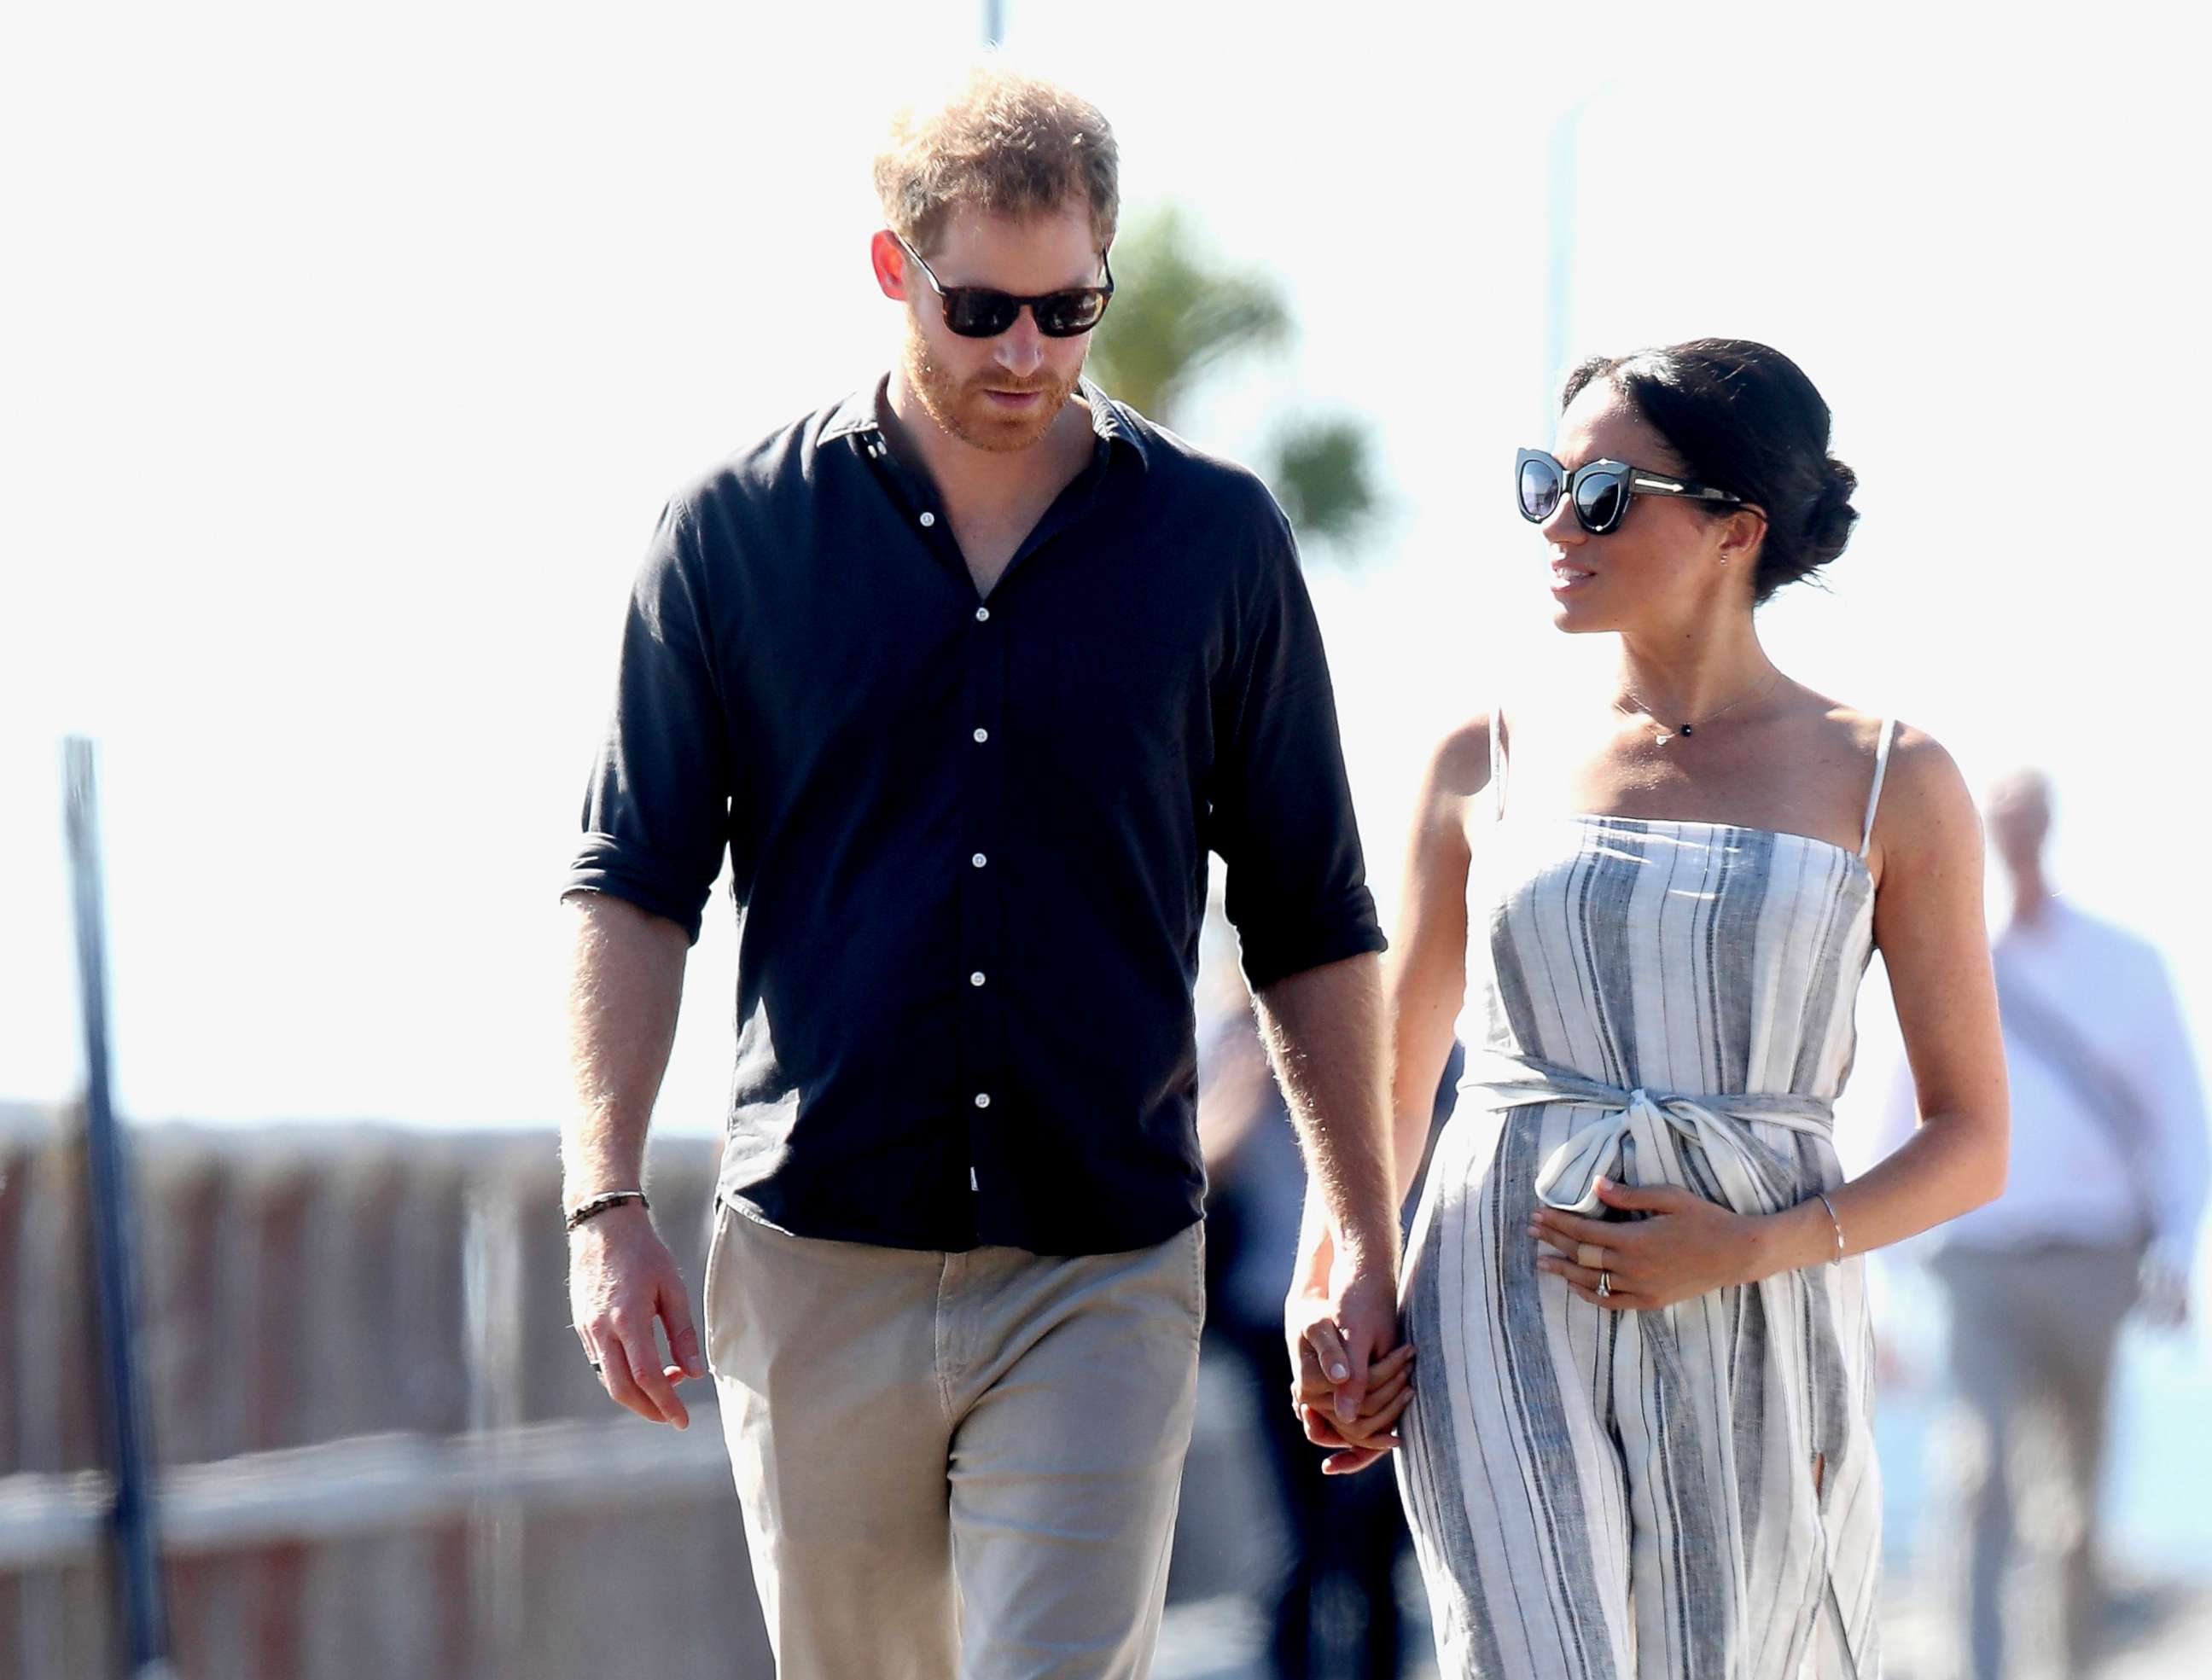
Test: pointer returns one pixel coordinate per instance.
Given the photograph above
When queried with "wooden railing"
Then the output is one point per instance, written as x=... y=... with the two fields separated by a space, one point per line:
x=383 y=1453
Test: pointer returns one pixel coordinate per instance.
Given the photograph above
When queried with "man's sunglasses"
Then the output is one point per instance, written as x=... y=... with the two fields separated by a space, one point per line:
x=1599 y=490
x=981 y=311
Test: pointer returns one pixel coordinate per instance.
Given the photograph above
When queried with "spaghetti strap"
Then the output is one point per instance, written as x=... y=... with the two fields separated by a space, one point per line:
x=1880 y=770
x=1496 y=764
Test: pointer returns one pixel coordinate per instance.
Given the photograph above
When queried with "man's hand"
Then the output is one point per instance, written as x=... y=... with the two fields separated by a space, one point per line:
x=621 y=1279
x=1337 y=1333
x=1367 y=1439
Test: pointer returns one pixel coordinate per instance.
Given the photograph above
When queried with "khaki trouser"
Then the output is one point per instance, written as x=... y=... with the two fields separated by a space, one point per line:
x=955 y=1464
x=2032 y=1336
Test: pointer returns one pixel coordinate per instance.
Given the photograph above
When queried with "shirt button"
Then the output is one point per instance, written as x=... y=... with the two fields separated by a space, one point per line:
x=975 y=979
x=981 y=736
x=983 y=614
x=978 y=860
x=927 y=520
x=982 y=1099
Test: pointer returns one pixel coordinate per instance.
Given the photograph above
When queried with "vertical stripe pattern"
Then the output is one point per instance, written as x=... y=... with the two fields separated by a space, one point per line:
x=1682 y=1494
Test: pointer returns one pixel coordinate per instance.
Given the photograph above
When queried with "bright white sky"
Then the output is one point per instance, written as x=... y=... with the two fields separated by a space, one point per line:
x=353 y=349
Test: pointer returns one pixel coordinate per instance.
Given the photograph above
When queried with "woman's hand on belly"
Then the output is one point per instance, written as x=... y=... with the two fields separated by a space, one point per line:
x=1683 y=1246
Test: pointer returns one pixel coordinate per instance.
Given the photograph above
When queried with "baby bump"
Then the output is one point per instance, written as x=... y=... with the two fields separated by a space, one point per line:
x=1482 y=1183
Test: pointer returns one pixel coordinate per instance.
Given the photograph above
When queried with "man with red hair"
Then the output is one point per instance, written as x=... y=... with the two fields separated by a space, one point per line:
x=966 y=674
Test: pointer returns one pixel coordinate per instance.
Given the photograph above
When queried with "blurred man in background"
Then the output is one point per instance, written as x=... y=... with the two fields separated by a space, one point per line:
x=2099 y=1217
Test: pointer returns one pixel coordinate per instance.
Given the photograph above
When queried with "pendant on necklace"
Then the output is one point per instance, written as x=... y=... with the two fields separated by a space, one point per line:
x=1685 y=730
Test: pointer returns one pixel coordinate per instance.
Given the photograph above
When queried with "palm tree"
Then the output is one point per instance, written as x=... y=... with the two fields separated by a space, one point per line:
x=1324 y=476
x=1178 y=315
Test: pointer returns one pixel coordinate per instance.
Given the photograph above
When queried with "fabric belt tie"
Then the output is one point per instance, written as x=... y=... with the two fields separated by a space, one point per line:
x=1751 y=1177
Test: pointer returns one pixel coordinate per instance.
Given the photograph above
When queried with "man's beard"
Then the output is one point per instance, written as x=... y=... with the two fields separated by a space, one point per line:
x=963 y=408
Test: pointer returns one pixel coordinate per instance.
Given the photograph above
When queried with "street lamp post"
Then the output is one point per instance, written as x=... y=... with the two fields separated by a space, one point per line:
x=1565 y=170
x=131 y=1512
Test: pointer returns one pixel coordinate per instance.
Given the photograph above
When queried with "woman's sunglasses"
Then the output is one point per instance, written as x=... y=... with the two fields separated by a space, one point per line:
x=981 y=312
x=1599 y=490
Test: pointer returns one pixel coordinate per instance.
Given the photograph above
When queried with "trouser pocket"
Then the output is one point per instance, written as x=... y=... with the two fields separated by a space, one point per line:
x=712 y=1296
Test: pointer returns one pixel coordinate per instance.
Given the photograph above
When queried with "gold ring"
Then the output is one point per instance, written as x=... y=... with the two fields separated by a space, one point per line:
x=1589 y=1256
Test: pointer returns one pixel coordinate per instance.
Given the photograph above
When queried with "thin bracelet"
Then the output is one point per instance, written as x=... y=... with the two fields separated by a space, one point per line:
x=593 y=1206
x=1835 y=1222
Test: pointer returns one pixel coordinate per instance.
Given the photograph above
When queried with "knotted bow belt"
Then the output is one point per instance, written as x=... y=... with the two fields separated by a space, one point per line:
x=1752 y=1180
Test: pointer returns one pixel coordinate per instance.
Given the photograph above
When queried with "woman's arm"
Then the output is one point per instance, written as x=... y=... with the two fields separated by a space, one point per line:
x=1928 y=927
x=1927 y=924
x=1424 y=977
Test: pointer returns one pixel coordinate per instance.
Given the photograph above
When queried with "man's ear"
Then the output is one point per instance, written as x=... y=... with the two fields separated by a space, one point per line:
x=888 y=256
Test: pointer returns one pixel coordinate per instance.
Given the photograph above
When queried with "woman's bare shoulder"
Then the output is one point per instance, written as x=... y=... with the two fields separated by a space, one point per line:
x=1925 y=788
x=1913 y=752
x=1920 y=783
x=1924 y=798
x=1459 y=766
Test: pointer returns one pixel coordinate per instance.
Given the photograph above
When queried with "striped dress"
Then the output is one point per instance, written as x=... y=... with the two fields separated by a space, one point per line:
x=1688 y=1493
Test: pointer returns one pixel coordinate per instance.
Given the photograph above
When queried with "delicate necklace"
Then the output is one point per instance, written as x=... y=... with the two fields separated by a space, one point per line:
x=1663 y=736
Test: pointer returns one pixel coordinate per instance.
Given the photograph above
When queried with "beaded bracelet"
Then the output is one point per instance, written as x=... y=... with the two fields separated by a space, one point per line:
x=593 y=1206
x=1835 y=1222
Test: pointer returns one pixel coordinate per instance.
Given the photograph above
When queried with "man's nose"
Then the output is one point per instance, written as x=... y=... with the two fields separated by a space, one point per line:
x=1020 y=348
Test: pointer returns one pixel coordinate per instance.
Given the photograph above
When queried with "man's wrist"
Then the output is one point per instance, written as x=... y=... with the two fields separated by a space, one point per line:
x=601 y=1205
x=1368 y=1244
x=586 y=1173
x=615 y=1225
x=1311 y=1277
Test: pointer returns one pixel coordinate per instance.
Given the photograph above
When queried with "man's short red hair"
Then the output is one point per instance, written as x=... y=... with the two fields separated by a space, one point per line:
x=1002 y=142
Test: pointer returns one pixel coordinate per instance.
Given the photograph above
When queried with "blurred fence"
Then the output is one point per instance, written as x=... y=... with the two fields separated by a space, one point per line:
x=382 y=1452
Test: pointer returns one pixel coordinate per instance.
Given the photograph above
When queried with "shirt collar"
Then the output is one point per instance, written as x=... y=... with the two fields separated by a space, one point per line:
x=858 y=413
x=2058 y=916
x=862 y=416
x=1115 y=423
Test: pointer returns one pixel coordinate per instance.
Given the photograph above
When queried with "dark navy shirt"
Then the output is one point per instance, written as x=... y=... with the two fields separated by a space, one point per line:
x=968 y=836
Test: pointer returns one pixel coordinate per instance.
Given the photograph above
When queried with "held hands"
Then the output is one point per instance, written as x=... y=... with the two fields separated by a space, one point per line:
x=1364 y=1439
x=1685 y=1246
x=621 y=1279
x=1349 y=1386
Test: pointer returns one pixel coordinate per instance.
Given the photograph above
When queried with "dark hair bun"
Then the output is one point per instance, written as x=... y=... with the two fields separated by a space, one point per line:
x=1829 y=526
x=1743 y=416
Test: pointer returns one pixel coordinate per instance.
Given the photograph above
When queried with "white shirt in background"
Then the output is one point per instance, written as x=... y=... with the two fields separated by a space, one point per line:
x=2069 y=1181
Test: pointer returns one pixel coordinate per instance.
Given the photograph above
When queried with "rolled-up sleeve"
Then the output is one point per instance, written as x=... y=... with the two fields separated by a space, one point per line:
x=656 y=813
x=1282 y=817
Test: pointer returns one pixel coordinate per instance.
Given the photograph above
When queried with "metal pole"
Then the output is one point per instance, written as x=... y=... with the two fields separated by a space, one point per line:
x=131 y=1519
x=1559 y=252
x=1565 y=170
x=995 y=22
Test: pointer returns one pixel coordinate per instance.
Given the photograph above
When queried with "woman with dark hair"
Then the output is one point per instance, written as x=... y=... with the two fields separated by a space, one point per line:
x=1638 y=1441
